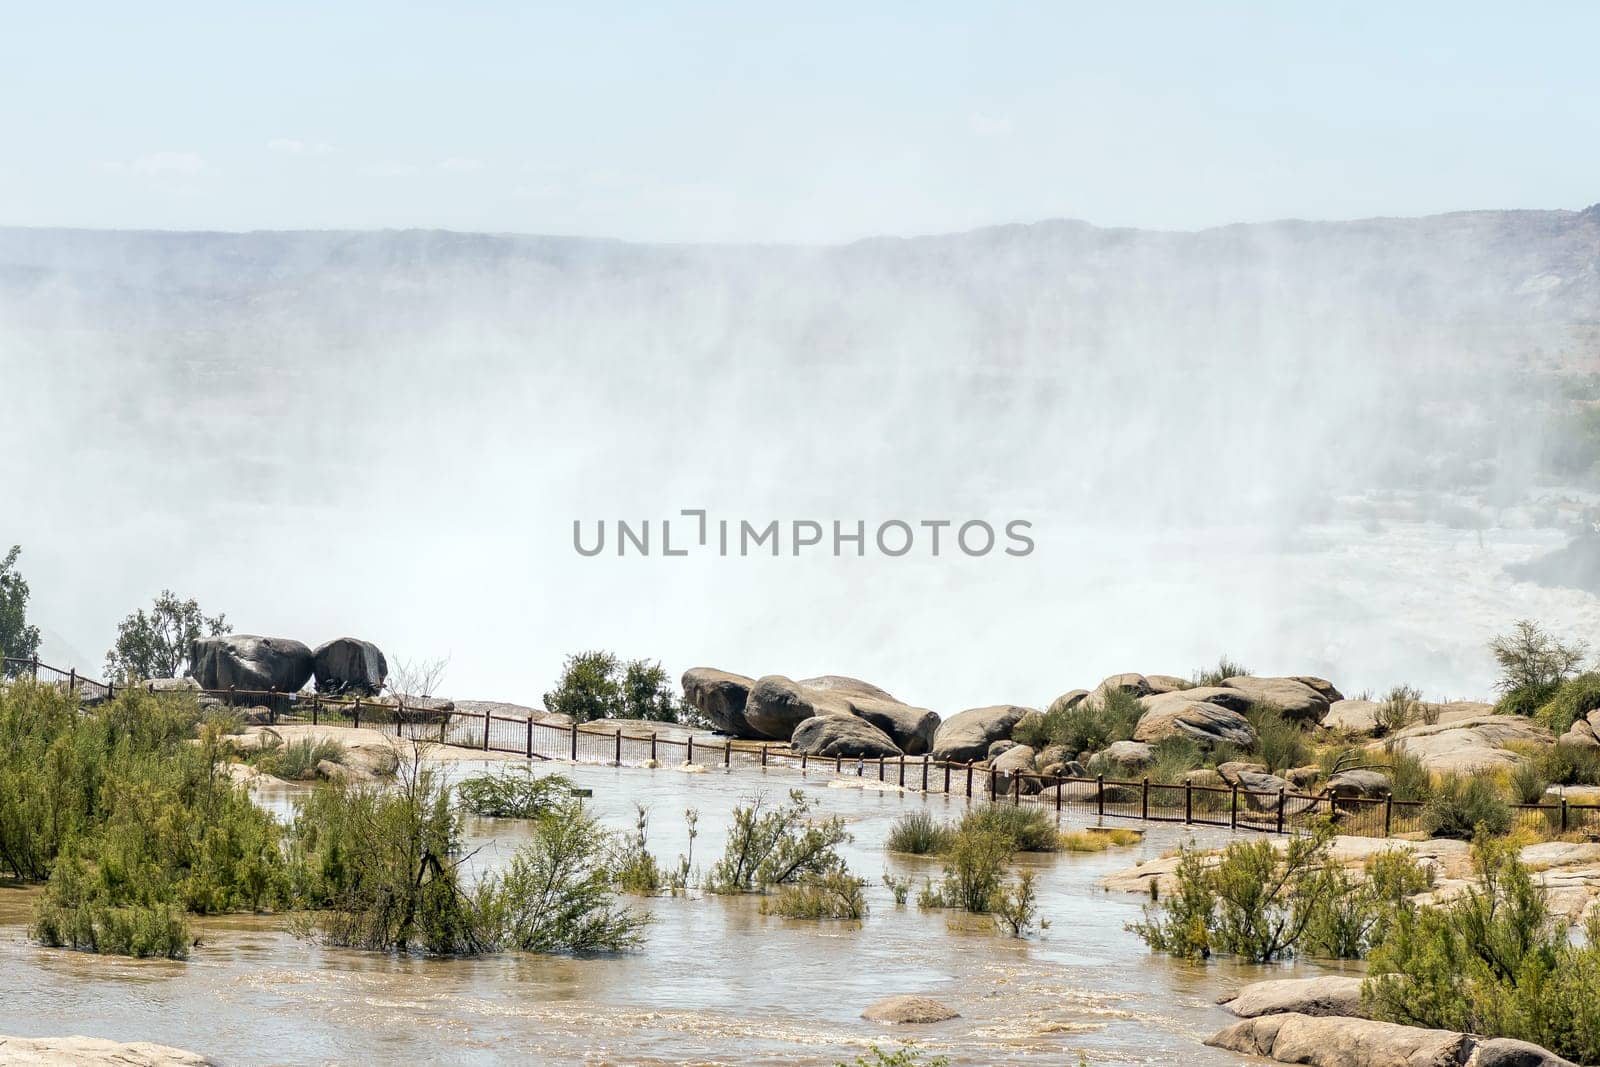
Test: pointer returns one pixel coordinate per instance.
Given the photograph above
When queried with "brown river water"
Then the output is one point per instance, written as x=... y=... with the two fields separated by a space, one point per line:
x=716 y=982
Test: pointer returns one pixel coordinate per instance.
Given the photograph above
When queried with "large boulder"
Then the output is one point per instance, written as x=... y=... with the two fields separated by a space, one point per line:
x=966 y=736
x=1330 y=994
x=841 y=735
x=910 y=728
x=776 y=705
x=908 y=1009
x=839 y=683
x=1198 y=720
x=1130 y=753
x=1220 y=695
x=1296 y=700
x=1507 y=1052
x=1359 y=784
x=1017 y=762
x=1132 y=684
x=1472 y=745
x=247 y=662
x=1068 y=700
x=1331 y=1041
x=93 y=1052
x=1326 y=689
x=349 y=665
x=1167 y=683
x=1352 y=716
x=720 y=696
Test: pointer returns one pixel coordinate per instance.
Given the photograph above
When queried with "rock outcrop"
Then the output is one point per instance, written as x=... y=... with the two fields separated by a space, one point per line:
x=1327 y=1041
x=841 y=735
x=776 y=705
x=910 y=728
x=839 y=683
x=1068 y=700
x=1331 y=994
x=247 y=662
x=1178 y=715
x=1468 y=746
x=349 y=665
x=93 y=1052
x=1297 y=701
x=1018 y=764
x=966 y=736
x=720 y=696
x=908 y=1009
x=1131 y=754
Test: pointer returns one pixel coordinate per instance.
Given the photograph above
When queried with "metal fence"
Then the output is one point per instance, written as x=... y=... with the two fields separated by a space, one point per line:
x=1283 y=812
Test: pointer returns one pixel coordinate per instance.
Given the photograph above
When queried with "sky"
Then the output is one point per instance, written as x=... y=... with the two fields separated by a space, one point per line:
x=815 y=123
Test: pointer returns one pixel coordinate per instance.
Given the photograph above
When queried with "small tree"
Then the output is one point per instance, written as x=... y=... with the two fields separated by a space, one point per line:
x=1531 y=658
x=647 y=692
x=156 y=644
x=598 y=685
x=17 y=639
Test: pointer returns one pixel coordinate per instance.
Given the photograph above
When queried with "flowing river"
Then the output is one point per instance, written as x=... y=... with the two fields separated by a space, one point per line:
x=716 y=982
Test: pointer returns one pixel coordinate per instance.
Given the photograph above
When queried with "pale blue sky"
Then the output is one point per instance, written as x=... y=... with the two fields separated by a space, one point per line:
x=750 y=122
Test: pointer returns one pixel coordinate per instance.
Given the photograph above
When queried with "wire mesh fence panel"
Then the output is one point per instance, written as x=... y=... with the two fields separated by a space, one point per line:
x=1584 y=818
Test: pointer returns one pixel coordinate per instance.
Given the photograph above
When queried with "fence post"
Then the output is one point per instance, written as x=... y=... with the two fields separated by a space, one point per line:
x=1144 y=799
x=530 y=739
x=233 y=696
x=1280 y=810
x=72 y=682
x=1058 y=792
x=356 y=714
x=1100 y=795
x=802 y=761
x=573 y=746
x=316 y=706
x=902 y=772
x=727 y=752
x=1563 y=814
x=947 y=777
x=880 y=768
x=652 y=744
x=1188 y=801
x=688 y=753
x=1233 y=808
x=763 y=754
x=36 y=666
x=969 y=780
x=836 y=765
x=924 y=773
x=1388 y=813
x=272 y=704
x=111 y=690
x=619 y=747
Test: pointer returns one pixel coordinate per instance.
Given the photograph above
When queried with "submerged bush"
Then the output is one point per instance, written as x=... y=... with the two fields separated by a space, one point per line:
x=835 y=895
x=771 y=846
x=919 y=834
x=1025 y=828
x=556 y=894
x=296 y=760
x=1099 y=841
x=633 y=868
x=515 y=793
x=1459 y=805
x=1016 y=906
x=974 y=869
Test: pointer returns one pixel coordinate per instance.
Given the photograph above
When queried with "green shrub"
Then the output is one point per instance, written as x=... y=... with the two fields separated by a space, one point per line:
x=835 y=895
x=772 y=846
x=907 y=1055
x=1568 y=764
x=1016 y=906
x=900 y=887
x=1409 y=779
x=974 y=868
x=633 y=868
x=918 y=833
x=1531 y=658
x=1225 y=668
x=1026 y=828
x=1356 y=914
x=296 y=760
x=1572 y=700
x=1528 y=700
x=1401 y=708
x=1280 y=744
x=1174 y=758
x=1459 y=805
x=1089 y=726
x=1492 y=962
x=1527 y=784
x=556 y=894
x=598 y=685
x=514 y=793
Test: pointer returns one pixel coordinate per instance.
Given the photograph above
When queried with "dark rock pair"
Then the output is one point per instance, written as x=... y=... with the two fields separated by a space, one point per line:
x=261 y=664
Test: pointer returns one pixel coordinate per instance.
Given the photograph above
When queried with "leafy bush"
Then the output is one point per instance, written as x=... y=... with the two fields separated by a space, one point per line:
x=1091 y=725
x=900 y=887
x=1174 y=758
x=1567 y=764
x=598 y=685
x=974 y=869
x=633 y=868
x=1493 y=962
x=18 y=639
x=918 y=833
x=905 y=1056
x=771 y=846
x=1262 y=903
x=514 y=793
x=835 y=895
x=556 y=894
x=1016 y=906
x=1280 y=744
x=1409 y=779
x=1531 y=658
x=1572 y=700
x=297 y=759
x=1225 y=668
x=1459 y=805
x=1527 y=784
x=1025 y=828
x=1401 y=708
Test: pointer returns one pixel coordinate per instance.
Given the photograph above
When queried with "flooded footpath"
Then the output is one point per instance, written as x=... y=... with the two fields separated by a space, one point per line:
x=716 y=981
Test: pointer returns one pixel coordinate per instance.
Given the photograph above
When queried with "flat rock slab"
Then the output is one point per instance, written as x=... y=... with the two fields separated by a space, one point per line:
x=908 y=1009
x=93 y=1052
x=1325 y=1041
x=1332 y=994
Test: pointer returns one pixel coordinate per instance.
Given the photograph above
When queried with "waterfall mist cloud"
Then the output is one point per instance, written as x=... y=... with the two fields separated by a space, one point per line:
x=1310 y=445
